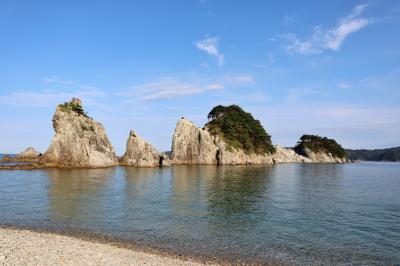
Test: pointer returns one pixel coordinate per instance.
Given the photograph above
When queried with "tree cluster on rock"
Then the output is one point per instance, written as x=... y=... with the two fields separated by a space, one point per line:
x=318 y=144
x=75 y=105
x=231 y=137
x=239 y=129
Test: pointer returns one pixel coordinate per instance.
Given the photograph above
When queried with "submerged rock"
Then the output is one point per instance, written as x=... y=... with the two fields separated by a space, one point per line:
x=142 y=154
x=79 y=141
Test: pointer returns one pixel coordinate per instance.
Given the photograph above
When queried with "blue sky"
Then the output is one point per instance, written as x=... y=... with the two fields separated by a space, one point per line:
x=320 y=67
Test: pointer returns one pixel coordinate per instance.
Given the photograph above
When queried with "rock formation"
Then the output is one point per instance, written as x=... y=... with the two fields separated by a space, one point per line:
x=193 y=145
x=323 y=157
x=29 y=153
x=79 y=141
x=142 y=154
x=320 y=149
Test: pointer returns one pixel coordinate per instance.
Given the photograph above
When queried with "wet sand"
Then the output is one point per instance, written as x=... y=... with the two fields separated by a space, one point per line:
x=24 y=247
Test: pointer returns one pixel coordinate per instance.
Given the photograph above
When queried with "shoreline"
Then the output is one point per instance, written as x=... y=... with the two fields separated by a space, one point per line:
x=19 y=245
x=35 y=166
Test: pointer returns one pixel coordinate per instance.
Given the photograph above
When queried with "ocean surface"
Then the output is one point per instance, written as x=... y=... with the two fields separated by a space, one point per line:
x=289 y=213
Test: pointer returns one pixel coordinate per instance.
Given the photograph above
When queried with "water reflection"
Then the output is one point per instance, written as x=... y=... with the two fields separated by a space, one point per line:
x=237 y=190
x=295 y=213
x=75 y=194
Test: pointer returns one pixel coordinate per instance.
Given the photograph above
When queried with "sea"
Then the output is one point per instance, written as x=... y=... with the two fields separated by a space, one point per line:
x=286 y=214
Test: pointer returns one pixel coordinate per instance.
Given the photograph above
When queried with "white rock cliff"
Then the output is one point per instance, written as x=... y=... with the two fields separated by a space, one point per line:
x=79 y=141
x=142 y=154
x=193 y=145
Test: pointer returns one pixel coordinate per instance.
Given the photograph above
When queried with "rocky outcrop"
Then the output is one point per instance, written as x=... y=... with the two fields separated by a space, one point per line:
x=227 y=155
x=193 y=145
x=29 y=153
x=79 y=141
x=321 y=157
x=142 y=154
x=285 y=155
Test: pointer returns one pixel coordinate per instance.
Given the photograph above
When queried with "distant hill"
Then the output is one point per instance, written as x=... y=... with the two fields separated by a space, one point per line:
x=389 y=155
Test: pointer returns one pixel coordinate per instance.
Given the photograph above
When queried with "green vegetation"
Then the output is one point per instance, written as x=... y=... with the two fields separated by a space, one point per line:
x=74 y=107
x=389 y=155
x=239 y=129
x=319 y=144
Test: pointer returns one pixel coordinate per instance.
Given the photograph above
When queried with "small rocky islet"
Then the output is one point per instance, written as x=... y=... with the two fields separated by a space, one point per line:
x=231 y=137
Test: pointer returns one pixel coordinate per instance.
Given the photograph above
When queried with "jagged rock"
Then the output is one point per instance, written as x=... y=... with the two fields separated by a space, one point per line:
x=141 y=153
x=79 y=141
x=285 y=155
x=30 y=152
x=227 y=155
x=192 y=145
x=321 y=157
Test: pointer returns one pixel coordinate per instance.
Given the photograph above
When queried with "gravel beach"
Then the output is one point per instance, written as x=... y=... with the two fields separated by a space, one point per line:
x=24 y=247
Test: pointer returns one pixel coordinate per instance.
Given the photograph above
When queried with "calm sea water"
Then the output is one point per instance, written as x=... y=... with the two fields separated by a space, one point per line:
x=290 y=213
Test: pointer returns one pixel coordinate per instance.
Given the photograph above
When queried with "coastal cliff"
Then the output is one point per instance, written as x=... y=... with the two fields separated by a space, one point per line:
x=79 y=141
x=234 y=137
x=231 y=137
x=192 y=145
x=142 y=154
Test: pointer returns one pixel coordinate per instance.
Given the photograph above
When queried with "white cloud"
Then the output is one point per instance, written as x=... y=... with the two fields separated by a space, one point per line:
x=389 y=82
x=51 y=97
x=168 y=88
x=48 y=98
x=271 y=58
x=238 y=80
x=298 y=94
x=331 y=39
x=215 y=86
x=352 y=125
x=171 y=87
x=210 y=46
x=343 y=85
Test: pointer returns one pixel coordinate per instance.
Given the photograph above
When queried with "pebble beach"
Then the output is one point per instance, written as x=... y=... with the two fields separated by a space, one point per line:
x=24 y=247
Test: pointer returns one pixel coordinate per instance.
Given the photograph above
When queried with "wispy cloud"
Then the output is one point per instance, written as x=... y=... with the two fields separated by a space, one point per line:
x=167 y=88
x=64 y=91
x=352 y=125
x=332 y=38
x=343 y=85
x=298 y=94
x=210 y=46
x=172 y=87
x=47 y=98
x=238 y=80
x=387 y=83
x=67 y=83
